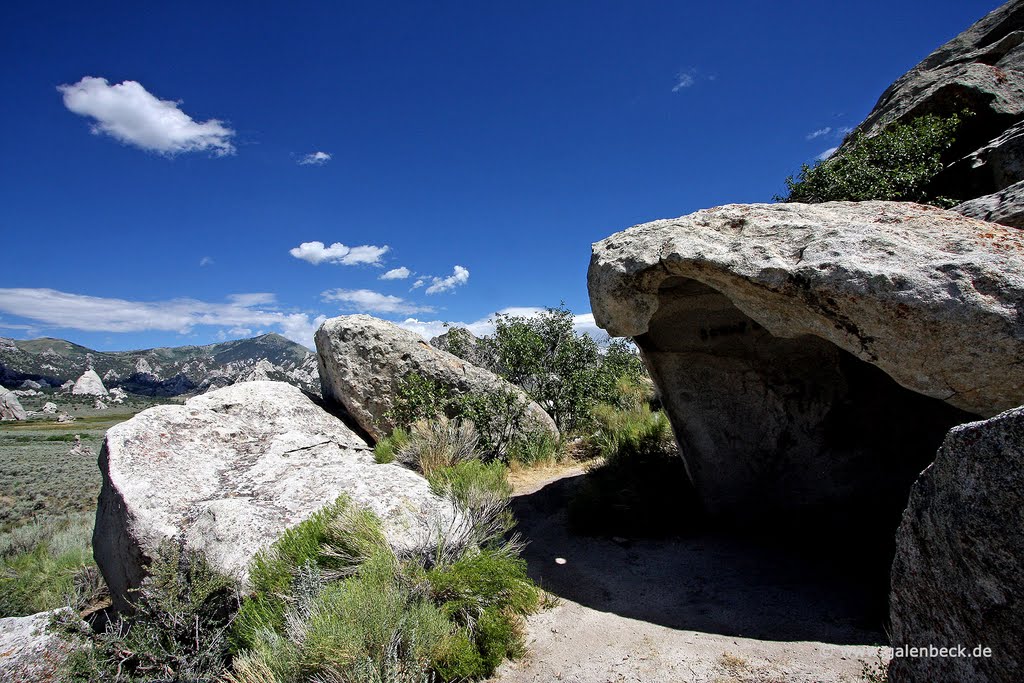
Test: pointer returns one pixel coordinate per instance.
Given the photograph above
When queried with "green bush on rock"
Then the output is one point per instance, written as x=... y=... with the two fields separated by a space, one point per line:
x=897 y=164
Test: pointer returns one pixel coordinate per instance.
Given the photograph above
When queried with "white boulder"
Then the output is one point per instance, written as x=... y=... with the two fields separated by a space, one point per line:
x=226 y=473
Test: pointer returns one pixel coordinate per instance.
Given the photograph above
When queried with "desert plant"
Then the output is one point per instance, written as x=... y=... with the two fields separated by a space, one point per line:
x=418 y=397
x=385 y=449
x=534 y=447
x=499 y=416
x=331 y=601
x=40 y=564
x=176 y=632
x=437 y=443
x=897 y=164
x=481 y=492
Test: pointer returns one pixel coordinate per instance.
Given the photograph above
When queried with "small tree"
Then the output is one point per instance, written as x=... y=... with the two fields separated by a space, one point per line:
x=898 y=164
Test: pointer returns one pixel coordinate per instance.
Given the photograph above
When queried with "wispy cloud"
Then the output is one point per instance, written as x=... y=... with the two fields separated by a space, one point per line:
x=206 y=261
x=317 y=253
x=129 y=113
x=315 y=159
x=58 y=309
x=685 y=79
x=821 y=132
x=368 y=301
x=396 y=274
x=826 y=154
x=459 y=277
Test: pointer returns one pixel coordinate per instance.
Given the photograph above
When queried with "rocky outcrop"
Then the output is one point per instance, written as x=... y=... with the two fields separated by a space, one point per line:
x=813 y=354
x=10 y=406
x=363 y=360
x=1005 y=206
x=226 y=473
x=30 y=384
x=30 y=652
x=50 y=408
x=980 y=71
x=89 y=384
x=958 y=576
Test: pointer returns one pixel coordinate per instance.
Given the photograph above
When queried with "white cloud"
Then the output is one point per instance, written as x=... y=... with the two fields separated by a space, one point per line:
x=129 y=113
x=396 y=274
x=315 y=159
x=240 y=332
x=206 y=261
x=821 y=132
x=826 y=154
x=582 y=323
x=420 y=281
x=97 y=314
x=365 y=300
x=459 y=277
x=685 y=79
x=845 y=130
x=253 y=299
x=317 y=253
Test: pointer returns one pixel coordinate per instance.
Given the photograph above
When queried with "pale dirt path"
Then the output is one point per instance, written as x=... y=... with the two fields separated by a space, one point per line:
x=708 y=609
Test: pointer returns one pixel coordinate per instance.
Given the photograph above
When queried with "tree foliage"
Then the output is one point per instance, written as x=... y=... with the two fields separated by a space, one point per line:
x=898 y=164
x=565 y=372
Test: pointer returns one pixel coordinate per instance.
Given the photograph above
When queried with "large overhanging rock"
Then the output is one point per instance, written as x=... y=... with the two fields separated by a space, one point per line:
x=363 y=361
x=958 y=576
x=981 y=71
x=10 y=406
x=809 y=355
x=226 y=473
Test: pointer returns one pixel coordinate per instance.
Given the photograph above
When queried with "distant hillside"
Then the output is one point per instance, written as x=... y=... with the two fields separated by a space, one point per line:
x=164 y=371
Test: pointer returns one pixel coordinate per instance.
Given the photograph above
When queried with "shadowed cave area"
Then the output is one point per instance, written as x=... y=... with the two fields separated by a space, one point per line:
x=787 y=432
x=801 y=456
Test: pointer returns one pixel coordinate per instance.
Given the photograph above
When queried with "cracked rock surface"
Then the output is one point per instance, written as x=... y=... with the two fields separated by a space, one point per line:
x=227 y=472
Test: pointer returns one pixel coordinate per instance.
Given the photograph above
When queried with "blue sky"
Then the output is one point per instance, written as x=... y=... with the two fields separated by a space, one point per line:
x=170 y=168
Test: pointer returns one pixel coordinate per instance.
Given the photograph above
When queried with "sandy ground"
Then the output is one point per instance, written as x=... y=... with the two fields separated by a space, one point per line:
x=708 y=608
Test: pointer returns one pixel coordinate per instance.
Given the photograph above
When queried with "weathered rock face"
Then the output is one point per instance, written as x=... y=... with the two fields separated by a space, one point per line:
x=50 y=408
x=362 y=361
x=229 y=471
x=10 y=406
x=958 y=576
x=811 y=355
x=1005 y=206
x=981 y=71
x=29 y=653
x=89 y=384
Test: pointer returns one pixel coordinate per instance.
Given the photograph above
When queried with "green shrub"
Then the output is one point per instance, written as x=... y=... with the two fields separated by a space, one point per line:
x=499 y=417
x=417 y=398
x=534 y=447
x=331 y=601
x=437 y=443
x=385 y=450
x=40 y=563
x=336 y=539
x=481 y=492
x=177 y=632
x=897 y=164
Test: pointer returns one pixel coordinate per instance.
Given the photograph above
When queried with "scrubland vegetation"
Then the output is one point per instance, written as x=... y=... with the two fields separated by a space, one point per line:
x=330 y=600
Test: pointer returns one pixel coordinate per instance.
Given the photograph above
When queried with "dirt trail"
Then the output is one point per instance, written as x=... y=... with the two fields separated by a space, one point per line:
x=709 y=608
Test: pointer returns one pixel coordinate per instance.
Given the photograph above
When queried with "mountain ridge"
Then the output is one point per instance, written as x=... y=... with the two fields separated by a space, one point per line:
x=160 y=371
